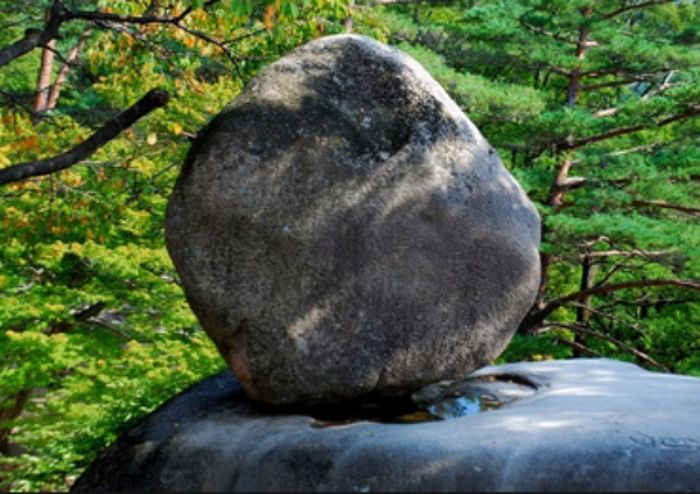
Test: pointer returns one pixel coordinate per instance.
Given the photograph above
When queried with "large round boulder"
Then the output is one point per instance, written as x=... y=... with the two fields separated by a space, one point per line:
x=342 y=228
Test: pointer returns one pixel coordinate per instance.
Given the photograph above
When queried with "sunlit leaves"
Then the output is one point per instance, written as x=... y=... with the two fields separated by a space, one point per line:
x=91 y=238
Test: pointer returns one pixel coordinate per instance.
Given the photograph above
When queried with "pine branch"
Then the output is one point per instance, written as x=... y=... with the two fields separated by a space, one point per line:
x=657 y=303
x=399 y=2
x=621 y=152
x=666 y=205
x=534 y=319
x=604 y=254
x=579 y=347
x=577 y=143
x=634 y=6
x=156 y=98
x=619 y=322
x=663 y=87
x=577 y=328
x=556 y=36
x=607 y=112
x=617 y=70
x=611 y=272
x=617 y=82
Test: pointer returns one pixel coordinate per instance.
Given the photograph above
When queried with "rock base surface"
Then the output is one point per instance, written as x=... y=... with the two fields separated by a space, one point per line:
x=591 y=425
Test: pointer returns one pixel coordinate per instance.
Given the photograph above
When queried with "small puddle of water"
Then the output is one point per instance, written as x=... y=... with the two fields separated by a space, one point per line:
x=435 y=402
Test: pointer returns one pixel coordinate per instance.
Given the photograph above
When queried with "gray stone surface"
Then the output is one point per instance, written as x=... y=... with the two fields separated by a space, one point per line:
x=342 y=228
x=592 y=425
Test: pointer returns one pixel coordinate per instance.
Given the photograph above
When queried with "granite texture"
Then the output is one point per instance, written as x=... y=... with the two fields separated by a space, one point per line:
x=343 y=229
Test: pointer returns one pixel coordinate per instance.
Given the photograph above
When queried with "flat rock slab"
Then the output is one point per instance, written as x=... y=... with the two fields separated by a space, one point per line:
x=592 y=425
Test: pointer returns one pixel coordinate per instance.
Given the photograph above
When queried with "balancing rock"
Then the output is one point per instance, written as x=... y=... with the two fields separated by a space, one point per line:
x=342 y=229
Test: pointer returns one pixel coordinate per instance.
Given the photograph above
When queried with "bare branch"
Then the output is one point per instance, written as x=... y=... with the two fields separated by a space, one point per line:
x=666 y=205
x=156 y=98
x=568 y=183
x=220 y=44
x=18 y=22
x=240 y=38
x=603 y=72
x=96 y=15
x=616 y=267
x=534 y=319
x=15 y=101
x=34 y=37
x=644 y=148
x=80 y=316
x=59 y=14
x=579 y=347
x=166 y=54
x=616 y=320
x=659 y=302
x=131 y=19
x=597 y=334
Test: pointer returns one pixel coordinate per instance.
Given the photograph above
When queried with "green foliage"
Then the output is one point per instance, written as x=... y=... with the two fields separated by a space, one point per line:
x=94 y=328
x=509 y=65
x=94 y=325
x=485 y=101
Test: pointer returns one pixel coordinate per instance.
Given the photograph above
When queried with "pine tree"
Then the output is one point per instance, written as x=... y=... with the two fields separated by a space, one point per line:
x=592 y=106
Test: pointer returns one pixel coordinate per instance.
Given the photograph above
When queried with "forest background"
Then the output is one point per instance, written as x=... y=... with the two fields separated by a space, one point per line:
x=592 y=105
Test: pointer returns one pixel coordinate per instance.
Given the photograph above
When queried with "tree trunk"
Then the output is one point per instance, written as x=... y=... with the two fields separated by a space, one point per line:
x=416 y=13
x=348 y=22
x=583 y=312
x=43 y=83
x=558 y=189
x=65 y=68
x=573 y=91
x=19 y=400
